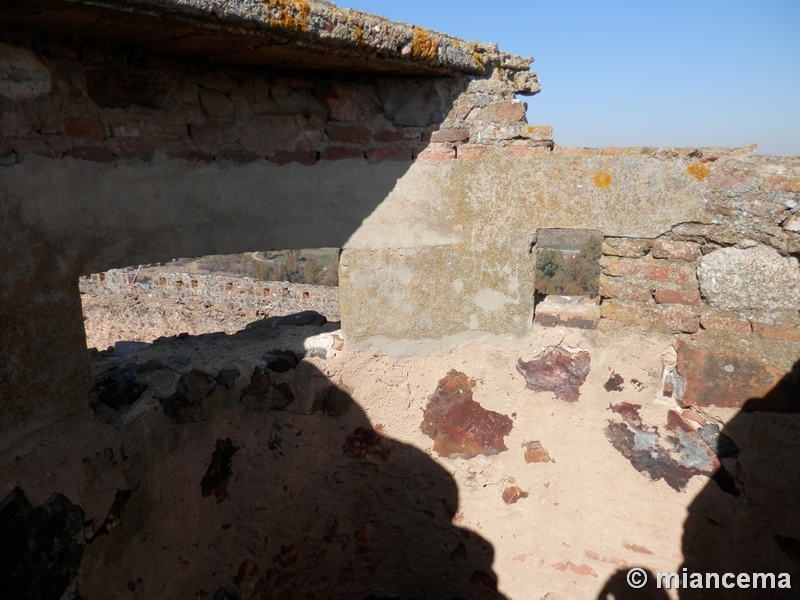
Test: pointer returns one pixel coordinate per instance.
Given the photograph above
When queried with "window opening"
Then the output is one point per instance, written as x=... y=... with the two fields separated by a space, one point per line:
x=567 y=279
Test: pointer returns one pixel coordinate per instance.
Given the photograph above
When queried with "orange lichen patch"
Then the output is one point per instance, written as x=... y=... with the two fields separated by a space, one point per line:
x=535 y=452
x=512 y=494
x=602 y=179
x=698 y=170
x=585 y=570
x=294 y=14
x=637 y=548
x=422 y=46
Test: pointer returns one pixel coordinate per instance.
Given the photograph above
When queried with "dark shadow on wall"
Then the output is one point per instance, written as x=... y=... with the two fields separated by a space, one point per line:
x=267 y=485
x=747 y=519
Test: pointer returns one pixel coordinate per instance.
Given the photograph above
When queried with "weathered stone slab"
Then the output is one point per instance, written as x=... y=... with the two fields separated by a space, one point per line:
x=756 y=278
x=716 y=378
x=459 y=426
x=559 y=371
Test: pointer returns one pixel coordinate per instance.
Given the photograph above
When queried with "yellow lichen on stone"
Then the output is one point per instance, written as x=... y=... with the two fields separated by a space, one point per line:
x=422 y=46
x=699 y=171
x=602 y=179
x=294 y=14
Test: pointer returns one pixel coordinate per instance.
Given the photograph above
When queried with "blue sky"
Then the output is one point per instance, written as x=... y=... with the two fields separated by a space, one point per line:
x=640 y=73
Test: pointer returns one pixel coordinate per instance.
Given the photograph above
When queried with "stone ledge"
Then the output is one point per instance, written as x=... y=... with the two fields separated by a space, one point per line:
x=288 y=34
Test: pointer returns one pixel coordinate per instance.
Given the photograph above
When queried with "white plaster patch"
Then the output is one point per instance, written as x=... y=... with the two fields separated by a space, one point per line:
x=473 y=322
x=490 y=300
x=458 y=286
x=22 y=74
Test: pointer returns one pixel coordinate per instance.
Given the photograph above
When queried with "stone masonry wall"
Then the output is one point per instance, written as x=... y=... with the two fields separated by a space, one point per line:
x=94 y=102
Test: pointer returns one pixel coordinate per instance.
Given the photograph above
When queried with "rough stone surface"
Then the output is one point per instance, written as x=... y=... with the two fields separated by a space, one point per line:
x=756 y=278
x=22 y=74
x=559 y=371
x=719 y=378
x=321 y=36
x=458 y=425
x=674 y=459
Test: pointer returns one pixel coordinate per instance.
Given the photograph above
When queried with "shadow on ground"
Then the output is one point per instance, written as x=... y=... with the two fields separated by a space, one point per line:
x=746 y=520
x=246 y=473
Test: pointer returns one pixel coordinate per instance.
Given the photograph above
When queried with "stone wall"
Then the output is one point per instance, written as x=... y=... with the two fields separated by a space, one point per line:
x=118 y=308
x=94 y=102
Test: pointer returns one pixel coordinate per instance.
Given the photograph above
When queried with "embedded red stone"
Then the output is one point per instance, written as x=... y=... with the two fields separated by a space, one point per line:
x=535 y=452
x=459 y=426
x=558 y=371
x=512 y=494
x=81 y=127
x=390 y=153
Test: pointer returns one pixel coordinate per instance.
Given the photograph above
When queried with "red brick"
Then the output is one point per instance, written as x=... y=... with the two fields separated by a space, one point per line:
x=80 y=127
x=341 y=153
x=470 y=152
x=214 y=133
x=450 y=134
x=528 y=150
x=688 y=251
x=674 y=317
x=648 y=269
x=355 y=134
x=615 y=287
x=509 y=111
x=629 y=247
x=436 y=154
x=304 y=157
x=93 y=154
x=724 y=322
x=390 y=153
x=781 y=331
x=398 y=135
x=690 y=298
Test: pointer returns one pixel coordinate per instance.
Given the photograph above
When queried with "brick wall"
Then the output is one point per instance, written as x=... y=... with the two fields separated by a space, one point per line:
x=98 y=103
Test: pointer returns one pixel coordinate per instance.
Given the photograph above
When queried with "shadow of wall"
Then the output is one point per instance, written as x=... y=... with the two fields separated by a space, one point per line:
x=247 y=482
x=126 y=158
x=746 y=520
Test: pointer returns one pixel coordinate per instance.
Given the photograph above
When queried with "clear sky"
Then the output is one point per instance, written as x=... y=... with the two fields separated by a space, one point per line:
x=641 y=73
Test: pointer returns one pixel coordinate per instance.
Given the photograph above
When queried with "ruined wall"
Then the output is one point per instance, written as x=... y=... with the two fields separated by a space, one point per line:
x=118 y=308
x=112 y=156
x=440 y=444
